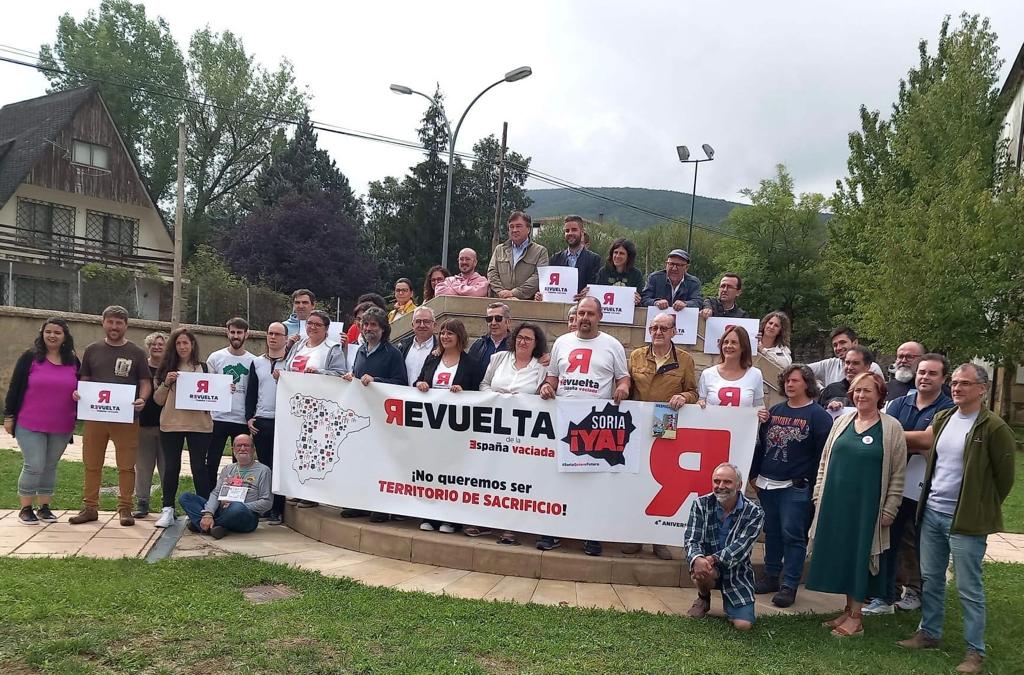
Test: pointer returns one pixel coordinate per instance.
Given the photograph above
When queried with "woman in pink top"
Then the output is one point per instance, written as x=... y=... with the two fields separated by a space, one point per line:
x=40 y=413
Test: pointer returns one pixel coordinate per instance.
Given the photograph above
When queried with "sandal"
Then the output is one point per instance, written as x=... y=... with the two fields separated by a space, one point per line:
x=508 y=539
x=833 y=623
x=843 y=632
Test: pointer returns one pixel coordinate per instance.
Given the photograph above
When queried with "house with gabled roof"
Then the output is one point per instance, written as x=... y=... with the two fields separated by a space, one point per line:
x=72 y=199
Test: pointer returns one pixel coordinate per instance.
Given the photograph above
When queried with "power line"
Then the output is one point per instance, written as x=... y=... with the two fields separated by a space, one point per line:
x=343 y=131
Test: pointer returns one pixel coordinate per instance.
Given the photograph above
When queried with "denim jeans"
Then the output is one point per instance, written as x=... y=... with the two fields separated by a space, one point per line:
x=787 y=514
x=236 y=516
x=968 y=551
x=41 y=452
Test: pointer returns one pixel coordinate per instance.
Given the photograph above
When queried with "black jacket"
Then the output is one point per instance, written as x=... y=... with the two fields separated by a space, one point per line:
x=385 y=364
x=837 y=391
x=588 y=264
x=19 y=383
x=467 y=375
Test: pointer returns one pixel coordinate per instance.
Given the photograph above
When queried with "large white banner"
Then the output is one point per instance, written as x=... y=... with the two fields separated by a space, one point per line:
x=489 y=459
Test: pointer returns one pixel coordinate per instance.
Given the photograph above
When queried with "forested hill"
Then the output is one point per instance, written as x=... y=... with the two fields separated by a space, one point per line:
x=561 y=201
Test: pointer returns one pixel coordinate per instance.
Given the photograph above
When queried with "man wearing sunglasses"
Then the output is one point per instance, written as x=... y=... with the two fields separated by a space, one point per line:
x=499 y=320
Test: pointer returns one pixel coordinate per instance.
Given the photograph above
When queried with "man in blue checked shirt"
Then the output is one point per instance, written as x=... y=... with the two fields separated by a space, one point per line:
x=719 y=536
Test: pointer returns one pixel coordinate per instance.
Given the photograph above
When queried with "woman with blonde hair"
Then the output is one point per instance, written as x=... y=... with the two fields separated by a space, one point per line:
x=858 y=491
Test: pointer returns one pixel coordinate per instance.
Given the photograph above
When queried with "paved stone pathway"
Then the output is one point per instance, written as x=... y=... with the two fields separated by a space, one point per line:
x=104 y=538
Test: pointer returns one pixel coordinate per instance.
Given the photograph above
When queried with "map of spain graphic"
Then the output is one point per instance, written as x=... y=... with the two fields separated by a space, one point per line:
x=324 y=426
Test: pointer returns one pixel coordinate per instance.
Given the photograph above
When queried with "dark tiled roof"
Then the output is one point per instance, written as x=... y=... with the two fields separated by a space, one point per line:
x=28 y=127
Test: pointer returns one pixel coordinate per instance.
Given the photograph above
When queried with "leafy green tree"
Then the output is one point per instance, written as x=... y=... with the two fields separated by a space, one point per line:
x=909 y=226
x=120 y=44
x=302 y=168
x=777 y=253
x=241 y=107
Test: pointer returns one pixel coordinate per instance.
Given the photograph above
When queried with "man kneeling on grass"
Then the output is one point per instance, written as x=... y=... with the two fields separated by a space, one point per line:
x=719 y=536
x=241 y=495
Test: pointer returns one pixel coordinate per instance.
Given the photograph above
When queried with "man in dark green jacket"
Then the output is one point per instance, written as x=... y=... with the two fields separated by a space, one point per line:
x=969 y=474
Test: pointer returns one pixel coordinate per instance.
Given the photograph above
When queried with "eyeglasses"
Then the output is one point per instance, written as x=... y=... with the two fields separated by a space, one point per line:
x=727 y=286
x=403 y=290
x=422 y=322
x=314 y=324
x=525 y=338
x=494 y=319
x=661 y=329
x=675 y=264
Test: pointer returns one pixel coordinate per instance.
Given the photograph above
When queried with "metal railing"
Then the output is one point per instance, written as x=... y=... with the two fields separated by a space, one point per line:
x=63 y=249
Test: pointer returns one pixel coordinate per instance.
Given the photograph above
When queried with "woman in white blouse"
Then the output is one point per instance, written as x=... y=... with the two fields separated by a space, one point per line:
x=516 y=371
x=734 y=381
x=773 y=339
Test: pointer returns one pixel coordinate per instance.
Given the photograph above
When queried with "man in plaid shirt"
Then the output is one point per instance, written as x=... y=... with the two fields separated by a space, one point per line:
x=719 y=536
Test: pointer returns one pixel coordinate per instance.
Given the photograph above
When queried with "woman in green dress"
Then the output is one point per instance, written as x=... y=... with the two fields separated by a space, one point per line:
x=857 y=493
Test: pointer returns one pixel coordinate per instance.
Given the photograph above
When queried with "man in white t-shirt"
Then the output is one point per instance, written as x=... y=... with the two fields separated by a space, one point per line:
x=586 y=364
x=832 y=370
x=236 y=361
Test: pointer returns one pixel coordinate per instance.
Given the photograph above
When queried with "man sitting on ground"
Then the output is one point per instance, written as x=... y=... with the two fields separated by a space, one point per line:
x=241 y=495
x=719 y=536
x=467 y=282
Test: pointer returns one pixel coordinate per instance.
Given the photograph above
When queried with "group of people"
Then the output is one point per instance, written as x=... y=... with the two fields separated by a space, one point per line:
x=839 y=480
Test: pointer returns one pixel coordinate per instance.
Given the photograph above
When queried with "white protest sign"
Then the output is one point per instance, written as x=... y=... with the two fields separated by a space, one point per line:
x=493 y=458
x=686 y=324
x=302 y=329
x=617 y=302
x=715 y=326
x=351 y=354
x=914 y=478
x=336 y=332
x=203 y=391
x=102 y=402
x=233 y=493
x=558 y=284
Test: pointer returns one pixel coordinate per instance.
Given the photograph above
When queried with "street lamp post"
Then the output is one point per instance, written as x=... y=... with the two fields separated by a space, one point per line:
x=511 y=76
x=684 y=157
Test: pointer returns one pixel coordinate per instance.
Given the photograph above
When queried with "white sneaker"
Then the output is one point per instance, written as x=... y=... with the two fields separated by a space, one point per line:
x=910 y=601
x=166 y=518
x=426 y=526
x=878 y=606
x=446 y=528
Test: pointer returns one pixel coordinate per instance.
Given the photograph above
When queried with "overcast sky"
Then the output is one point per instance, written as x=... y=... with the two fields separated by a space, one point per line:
x=615 y=86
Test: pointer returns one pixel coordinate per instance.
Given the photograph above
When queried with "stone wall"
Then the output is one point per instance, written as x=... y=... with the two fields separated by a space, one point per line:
x=19 y=327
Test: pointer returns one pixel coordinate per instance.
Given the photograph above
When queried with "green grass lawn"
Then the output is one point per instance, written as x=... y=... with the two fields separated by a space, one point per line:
x=82 y=616
x=70 y=478
x=1013 y=507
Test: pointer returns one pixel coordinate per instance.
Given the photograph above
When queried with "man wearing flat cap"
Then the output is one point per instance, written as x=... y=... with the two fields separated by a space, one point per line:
x=673 y=287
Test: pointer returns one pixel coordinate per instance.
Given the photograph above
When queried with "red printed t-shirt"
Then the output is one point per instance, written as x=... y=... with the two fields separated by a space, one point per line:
x=587 y=368
x=746 y=392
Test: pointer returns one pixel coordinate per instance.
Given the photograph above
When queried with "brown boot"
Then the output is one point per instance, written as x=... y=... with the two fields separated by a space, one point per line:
x=973 y=662
x=126 y=517
x=86 y=515
x=919 y=640
x=700 y=607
